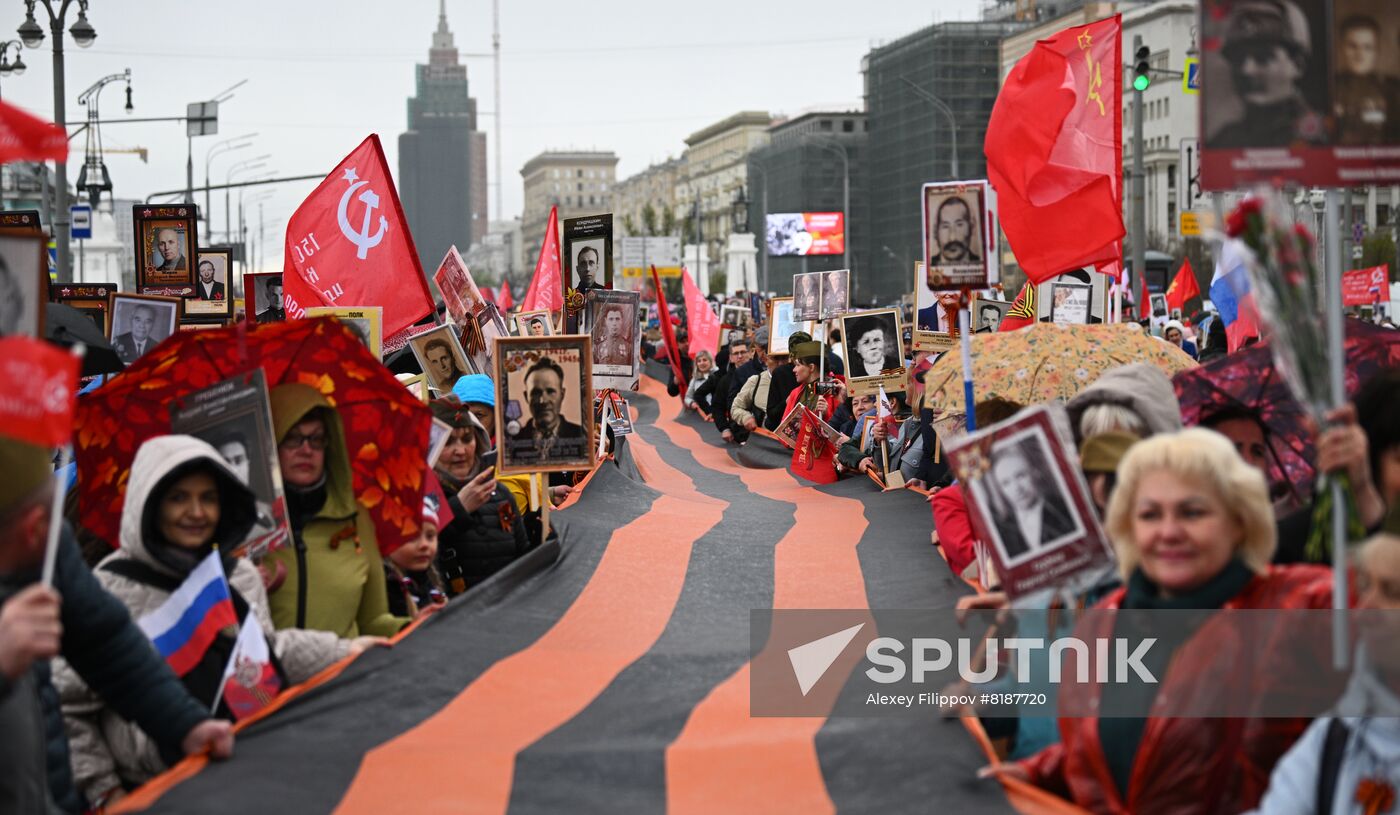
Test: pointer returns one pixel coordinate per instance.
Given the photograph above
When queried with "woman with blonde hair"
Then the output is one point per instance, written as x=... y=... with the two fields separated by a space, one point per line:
x=704 y=366
x=1194 y=530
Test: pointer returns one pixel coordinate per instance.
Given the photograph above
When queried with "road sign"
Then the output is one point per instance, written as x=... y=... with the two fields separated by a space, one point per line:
x=1188 y=184
x=80 y=217
x=1191 y=76
x=640 y=254
x=202 y=118
x=1358 y=232
x=1190 y=225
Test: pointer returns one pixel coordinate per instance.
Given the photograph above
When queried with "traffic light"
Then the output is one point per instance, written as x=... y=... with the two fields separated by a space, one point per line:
x=1141 y=72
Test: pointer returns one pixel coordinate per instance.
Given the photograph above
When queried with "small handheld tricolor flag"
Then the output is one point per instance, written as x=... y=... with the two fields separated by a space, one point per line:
x=250 y=682
x=189 y=620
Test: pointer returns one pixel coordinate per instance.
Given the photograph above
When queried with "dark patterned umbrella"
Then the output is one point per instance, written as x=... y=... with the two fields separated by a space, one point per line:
x=1247 y=381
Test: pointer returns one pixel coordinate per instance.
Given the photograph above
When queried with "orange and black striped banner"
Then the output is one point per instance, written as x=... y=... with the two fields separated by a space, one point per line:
x=610 y=673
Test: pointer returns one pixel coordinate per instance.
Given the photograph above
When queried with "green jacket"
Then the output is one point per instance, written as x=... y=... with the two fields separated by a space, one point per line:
x=335 y=575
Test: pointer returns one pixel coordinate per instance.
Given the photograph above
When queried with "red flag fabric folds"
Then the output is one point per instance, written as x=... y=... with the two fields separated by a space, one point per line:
x=547 y=286
x=40 y=391
x=673 y=350
x=26 y=137
x=1054 y=149
x=348 y=244
x=702 y=324
x=1183 y=287
x=504 y=301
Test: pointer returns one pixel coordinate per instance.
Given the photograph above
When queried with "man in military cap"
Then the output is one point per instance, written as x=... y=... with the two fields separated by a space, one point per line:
x=1268 y=48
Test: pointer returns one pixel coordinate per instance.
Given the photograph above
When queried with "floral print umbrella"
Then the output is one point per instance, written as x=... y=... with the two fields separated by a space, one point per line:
x=1040 y=363
x=1247 y=381
x=386 y=426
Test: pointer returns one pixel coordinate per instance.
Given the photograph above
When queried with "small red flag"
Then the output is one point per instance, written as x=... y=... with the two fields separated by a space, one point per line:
x=1183 y=286
x=547 y=286
x=38 y=391
x=26 y=137
x=673 y=350
x=702 y=324
x=1023 y=310
x=503 y=300
x=348 y=244
x=1054 y=146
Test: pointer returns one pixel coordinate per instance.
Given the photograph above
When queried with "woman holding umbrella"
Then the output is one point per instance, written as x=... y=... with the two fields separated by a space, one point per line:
x=334 y=573
x=1193 y=529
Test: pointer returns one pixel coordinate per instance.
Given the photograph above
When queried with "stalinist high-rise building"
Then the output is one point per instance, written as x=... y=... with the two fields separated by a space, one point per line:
x=442 y=156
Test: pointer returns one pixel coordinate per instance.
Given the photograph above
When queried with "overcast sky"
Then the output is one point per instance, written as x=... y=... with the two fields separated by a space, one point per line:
x=631 y=76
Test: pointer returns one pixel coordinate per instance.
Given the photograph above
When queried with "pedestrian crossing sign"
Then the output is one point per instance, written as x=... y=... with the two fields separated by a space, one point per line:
x=1191 y=77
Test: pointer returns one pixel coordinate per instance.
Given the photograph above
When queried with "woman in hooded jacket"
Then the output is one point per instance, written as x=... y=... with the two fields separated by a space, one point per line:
x=182 y=500
x=487 y=530
x=332 y=576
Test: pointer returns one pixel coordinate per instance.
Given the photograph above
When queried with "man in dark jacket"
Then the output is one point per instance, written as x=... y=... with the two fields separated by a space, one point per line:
x=754 y=364
x=98 y=638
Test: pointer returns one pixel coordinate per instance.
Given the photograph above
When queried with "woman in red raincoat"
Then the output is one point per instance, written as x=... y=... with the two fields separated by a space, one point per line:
x=814 y=456
x=1193 y=529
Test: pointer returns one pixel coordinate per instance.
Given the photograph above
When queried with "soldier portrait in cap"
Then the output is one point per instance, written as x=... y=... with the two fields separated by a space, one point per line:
x=1365 y=85
x=1265 y=86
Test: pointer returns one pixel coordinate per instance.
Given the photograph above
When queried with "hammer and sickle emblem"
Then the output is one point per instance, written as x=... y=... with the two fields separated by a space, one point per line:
x=362 y=239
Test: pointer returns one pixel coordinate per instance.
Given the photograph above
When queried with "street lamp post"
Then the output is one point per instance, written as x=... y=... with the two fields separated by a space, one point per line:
x=943 y=108
x=846 y=255
x=32 y=35
x=242 y=166
x=225 y=146
x=6 y=69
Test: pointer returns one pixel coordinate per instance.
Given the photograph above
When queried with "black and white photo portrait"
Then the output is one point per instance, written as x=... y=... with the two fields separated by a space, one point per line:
x=264 y=293
x=988 y=314
x=1026 y=498
x=23 y=284
x=836 y=294
x=872 y=343
x=140 y=323
x=807 y=296
x=441 y=357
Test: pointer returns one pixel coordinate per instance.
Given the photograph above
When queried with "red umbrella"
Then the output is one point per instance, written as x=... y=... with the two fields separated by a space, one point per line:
x=26 y=137
x=386 y=427
x=1247 y=381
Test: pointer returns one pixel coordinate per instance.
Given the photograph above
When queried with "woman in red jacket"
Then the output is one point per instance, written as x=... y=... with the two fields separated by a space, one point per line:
x=814 y=457
x=1193 y=529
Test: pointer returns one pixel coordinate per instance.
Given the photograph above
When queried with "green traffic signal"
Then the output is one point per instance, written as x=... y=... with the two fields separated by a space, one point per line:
x=1142 y=71
x=1141 y=81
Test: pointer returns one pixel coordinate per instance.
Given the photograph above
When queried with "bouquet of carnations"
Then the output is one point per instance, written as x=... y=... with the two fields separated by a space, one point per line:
x=1286 y=281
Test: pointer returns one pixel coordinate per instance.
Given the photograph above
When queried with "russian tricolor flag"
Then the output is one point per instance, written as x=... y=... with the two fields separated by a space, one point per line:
x=186 y=623
x=1232 y=295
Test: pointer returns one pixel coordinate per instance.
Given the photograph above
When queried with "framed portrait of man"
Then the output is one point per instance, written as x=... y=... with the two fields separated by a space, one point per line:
x=91 y=299
x=611 y=321
x=544 y=404
x=959 y=242
x=213 y=288
x=873 y=351
x=1069 y=303
x=1030 y=504
x=235 y=416
x=439 y=353
x=807 y=296
x=836 y=293
x=24 y=281
x=166 y=249
x=534 y=324
x=935 y=315
x=263 y=293
x=365 y=323
x=588 y=252
x=988 y=314
x=140 y=322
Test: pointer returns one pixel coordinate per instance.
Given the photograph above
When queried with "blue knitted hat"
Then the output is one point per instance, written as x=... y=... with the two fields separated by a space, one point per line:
x=476 y=388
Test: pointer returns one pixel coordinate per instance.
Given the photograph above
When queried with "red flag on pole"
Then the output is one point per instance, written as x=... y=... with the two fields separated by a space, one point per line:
x=1054 y=147
x=26 y=137
x=702 y=325
x=40 y=391
x=1145 y=304
x=348 y=244
x=503 y=300
x=546 y=288
x=673 y=350
x=1183 y=286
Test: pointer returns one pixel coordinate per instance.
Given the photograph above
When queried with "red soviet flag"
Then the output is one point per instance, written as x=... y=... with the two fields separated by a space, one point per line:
x=702 y=324
x=348 y=244
x=1054 y=148
x=547 y=287
x=503 y=300
x=1183 y=286
x=38 y=391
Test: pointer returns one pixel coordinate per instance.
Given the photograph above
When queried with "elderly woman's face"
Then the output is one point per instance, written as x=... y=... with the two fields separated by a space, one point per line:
x=871 y=347
x=1184 y=533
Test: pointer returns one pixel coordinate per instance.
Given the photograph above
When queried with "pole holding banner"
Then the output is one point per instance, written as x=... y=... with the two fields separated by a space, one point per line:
x=1336 y=357
x=965 y=343
x=60 y=490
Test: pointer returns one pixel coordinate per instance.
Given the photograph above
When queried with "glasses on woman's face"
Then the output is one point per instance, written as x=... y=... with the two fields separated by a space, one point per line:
x=294 y=441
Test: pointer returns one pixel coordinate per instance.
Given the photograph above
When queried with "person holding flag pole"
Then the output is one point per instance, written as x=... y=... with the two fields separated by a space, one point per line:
x=185 y=511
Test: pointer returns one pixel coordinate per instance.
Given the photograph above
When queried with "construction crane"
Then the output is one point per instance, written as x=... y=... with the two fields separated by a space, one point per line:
x=142 y=152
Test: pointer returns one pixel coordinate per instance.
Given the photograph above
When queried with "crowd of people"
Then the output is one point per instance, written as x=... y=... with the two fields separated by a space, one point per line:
x=89 y=712
x=1195 y=524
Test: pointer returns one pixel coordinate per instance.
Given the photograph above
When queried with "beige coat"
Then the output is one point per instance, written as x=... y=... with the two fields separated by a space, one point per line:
x=754 y=392
x=106 y=750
